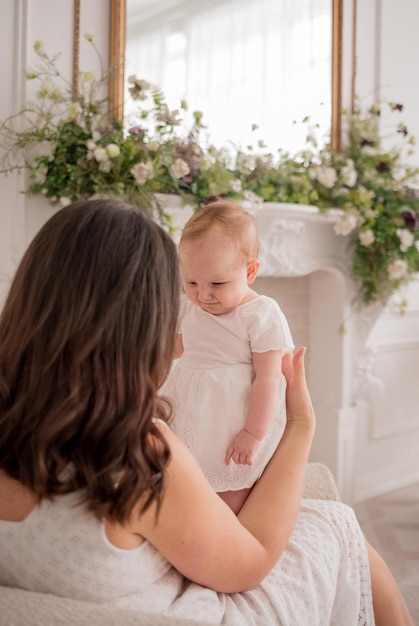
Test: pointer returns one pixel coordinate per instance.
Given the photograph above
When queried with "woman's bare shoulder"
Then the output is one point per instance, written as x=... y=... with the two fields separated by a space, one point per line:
x=16 y=500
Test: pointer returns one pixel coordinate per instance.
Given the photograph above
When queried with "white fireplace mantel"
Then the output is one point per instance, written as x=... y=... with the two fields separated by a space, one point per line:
x=296 y=241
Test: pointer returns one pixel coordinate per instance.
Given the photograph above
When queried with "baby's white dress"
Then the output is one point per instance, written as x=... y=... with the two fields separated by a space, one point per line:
x=210 y=385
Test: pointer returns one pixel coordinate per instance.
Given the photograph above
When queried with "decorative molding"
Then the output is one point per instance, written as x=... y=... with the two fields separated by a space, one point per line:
x=280 y=248
x=396 y=424
x=367 y=386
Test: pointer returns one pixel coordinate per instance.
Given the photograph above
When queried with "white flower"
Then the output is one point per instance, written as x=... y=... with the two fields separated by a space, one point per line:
x=369 y=150
x=89 y=77
x=349 y=174
x=236 y=185
x=91 y=145
x=113 y=150
x=63 y=201
x=369 y=213
x=49 y=91
x=399 y=173
x=168 y=117
x=153 y=146
x=205 y=165
x=252 y=202
x=139 y=82
x=327 y=176
x=366 y=237
x=346 y=224
x=89 y=36
x=397 y=269
x=312 y=173
x=40 y=175
x=96 y=135
x=245 y=163
x=100 y=154
x=105 y=166
x=406 y=238
x=139 y=88
x=142 y=172
x=180 y=168
x=73 y=109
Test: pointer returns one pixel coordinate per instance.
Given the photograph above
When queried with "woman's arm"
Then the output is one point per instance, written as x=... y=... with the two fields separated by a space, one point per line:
x=264 y=396
x=199 y=534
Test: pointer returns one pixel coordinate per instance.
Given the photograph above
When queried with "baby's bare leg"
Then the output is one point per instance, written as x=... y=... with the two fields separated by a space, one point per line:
x=235 y=499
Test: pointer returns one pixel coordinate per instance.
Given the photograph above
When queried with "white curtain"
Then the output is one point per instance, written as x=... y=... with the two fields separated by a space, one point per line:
x=244 y=62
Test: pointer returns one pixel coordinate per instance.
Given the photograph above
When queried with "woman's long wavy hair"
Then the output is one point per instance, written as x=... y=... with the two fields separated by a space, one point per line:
x=86 y=339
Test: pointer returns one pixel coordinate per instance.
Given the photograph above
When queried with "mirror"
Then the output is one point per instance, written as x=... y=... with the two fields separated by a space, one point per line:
x=155 y=24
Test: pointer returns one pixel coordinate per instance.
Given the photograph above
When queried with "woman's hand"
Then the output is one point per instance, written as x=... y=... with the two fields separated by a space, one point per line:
x=298 y=402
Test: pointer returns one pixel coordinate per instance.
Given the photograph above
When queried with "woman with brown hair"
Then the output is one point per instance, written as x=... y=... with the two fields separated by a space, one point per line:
x=100 y=501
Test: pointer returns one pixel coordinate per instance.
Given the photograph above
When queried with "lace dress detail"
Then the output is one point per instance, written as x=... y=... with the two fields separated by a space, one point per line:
x=321 y=579
x=210 y=385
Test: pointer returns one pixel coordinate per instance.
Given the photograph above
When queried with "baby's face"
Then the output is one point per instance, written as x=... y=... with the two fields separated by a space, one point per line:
x=216 y=277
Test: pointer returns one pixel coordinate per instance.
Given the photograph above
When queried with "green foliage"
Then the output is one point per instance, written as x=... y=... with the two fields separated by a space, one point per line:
x=73 y=148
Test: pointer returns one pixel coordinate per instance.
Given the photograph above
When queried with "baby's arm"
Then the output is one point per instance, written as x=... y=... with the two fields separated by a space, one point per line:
x=264 y=396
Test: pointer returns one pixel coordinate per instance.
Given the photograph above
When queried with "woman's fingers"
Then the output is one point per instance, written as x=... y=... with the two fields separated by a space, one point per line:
x=293 y=363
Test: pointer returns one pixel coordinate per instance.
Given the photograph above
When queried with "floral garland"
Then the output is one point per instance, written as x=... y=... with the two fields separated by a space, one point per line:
x=73 y=148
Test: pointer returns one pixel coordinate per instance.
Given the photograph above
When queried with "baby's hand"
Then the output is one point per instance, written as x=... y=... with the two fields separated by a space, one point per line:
x=242 y=449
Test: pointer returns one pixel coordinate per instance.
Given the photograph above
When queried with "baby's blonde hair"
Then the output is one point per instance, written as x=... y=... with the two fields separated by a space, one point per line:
x=233 y=221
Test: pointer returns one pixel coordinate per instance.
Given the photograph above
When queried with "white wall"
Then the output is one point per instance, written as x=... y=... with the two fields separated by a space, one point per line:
x=387 y=440
x=22 y=23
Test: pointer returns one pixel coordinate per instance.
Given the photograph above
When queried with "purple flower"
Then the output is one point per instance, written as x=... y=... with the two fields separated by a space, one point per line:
x=382 y=167
x=136 y=130
x=402 y=129
x=394 y=106
x=374 y=110
x=367 y=142
x=410 y=219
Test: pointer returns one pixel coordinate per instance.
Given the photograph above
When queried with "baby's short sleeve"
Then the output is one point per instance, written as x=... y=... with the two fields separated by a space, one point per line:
x=266 y=326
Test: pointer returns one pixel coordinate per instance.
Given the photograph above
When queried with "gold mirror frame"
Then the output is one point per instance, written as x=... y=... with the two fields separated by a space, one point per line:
x=76 y=47
x=117 y=57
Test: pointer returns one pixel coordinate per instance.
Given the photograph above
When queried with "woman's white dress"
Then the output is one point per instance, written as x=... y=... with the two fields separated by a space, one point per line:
x=210 y=385
x=321 y=579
